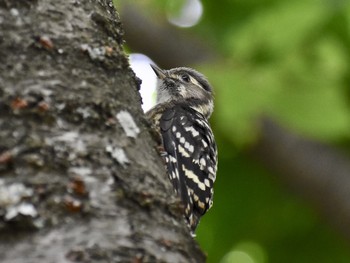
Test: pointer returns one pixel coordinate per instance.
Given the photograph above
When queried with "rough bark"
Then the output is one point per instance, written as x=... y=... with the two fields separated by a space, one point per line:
x=80 y=178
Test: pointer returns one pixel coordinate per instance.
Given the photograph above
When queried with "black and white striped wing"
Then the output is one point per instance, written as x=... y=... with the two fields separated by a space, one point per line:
x=190 y=157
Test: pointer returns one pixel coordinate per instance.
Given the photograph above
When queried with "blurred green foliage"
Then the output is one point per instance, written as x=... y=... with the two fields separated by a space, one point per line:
x=288 y=60
x=249 y=206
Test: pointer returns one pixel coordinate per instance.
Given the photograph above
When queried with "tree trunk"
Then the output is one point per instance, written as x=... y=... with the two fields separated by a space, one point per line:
x=80 y=178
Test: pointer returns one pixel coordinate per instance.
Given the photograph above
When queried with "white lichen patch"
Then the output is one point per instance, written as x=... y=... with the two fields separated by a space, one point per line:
x=95 y=53
x=81 y=171
x=84 y=112
x=14 y=12
x=13 y=193
x=127 y=122
x=70 y=137
x=25 y=209
x=118 y=154
x=69 y=140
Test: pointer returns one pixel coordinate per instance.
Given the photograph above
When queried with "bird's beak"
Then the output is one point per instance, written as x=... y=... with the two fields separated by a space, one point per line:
x=159 y=72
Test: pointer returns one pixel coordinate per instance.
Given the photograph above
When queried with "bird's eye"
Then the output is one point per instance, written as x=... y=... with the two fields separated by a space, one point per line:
x=185 y=78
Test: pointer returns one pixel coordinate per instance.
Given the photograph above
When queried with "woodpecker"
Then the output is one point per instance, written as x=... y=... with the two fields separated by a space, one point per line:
x=180 y=119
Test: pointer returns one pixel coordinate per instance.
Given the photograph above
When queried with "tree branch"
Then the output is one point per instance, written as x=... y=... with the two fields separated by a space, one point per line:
x=316 y=171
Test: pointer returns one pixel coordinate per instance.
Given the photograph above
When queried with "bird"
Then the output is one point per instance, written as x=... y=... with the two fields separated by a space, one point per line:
x=180 y=120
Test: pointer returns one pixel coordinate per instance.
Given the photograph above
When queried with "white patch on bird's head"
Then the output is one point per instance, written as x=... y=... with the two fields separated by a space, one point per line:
x=163 y=93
